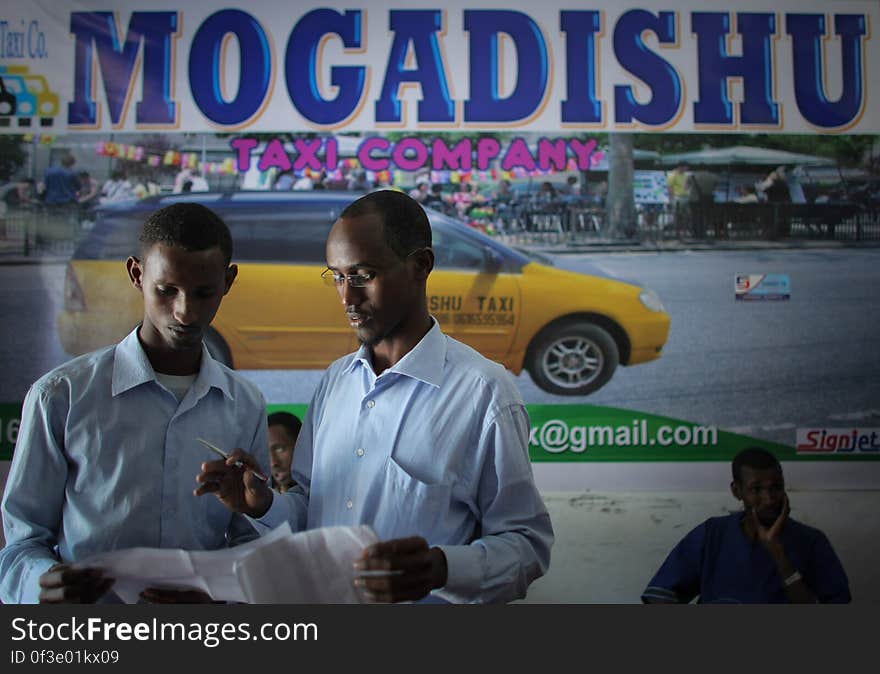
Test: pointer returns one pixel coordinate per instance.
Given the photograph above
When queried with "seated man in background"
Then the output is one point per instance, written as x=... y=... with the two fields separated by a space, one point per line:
x=758 y=555
x=108 y=441
x=283 y=431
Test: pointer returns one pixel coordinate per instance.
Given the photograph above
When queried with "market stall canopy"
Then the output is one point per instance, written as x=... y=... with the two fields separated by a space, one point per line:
x=744 y=154
x=600 y=159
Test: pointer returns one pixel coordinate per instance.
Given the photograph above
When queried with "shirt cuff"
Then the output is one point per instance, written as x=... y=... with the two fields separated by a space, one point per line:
x=275 y=516
x=464 y=571
x=32 y=594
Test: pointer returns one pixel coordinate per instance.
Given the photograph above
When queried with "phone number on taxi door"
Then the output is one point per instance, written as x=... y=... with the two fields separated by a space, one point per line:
x=483 y=319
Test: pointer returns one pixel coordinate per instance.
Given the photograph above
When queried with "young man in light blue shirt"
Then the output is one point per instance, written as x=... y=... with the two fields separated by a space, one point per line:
x=107 y=445
x=415 y=434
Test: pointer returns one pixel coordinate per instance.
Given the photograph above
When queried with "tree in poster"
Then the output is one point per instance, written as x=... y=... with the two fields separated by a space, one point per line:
x=12 y=156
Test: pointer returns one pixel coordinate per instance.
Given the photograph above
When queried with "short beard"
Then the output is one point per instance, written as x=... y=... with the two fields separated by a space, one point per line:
x=374 y=339
x=369 y=342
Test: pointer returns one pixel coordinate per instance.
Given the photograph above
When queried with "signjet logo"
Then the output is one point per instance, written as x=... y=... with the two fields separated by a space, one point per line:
x=837 y=440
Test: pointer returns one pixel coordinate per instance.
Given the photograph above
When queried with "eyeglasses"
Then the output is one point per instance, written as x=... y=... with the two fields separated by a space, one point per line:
x=332 y=278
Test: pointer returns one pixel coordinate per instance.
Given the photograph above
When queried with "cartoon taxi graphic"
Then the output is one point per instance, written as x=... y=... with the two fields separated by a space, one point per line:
x=46 y=102
x=7 y=104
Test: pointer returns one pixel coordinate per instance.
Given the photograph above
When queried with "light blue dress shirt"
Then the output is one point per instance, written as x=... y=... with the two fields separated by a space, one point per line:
x=106 y=458
x=436 y=446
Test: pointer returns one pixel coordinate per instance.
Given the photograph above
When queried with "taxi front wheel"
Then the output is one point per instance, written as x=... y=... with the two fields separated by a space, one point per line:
x=573 y=358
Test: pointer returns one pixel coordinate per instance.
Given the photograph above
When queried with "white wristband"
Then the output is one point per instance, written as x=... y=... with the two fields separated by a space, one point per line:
x=792 y=579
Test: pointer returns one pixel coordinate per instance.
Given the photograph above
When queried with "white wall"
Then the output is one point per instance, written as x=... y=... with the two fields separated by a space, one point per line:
x=609 y=544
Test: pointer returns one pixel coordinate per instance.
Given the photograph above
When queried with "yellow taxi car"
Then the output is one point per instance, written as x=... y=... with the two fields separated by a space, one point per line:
x=569 y=330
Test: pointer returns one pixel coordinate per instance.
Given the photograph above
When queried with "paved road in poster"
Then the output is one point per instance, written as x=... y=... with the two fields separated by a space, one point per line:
x=756 y=368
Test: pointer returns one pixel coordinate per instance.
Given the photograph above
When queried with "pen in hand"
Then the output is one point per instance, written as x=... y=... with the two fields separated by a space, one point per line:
x=238 y=464
x=378 y=573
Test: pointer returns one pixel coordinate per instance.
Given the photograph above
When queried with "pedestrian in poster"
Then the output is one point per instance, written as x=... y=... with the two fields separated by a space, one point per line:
x=420 y=191
x=118 y=188
x=304 y=182
x=463 y=199
x=89 y=194
x=679 y=186
x=62 y=185
x=775 y=186
x=198 y=182
x=435 y=199
x=776 y=192
x=415 y=434
x=283 y=181
x=358 y=182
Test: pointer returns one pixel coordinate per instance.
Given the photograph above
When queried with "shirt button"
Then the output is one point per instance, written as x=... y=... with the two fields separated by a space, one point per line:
x=360 y=451
x=371 y=404
x=349 y=505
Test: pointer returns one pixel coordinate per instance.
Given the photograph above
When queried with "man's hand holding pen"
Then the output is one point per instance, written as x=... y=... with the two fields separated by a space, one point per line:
x=402 y=569
x=237 y=487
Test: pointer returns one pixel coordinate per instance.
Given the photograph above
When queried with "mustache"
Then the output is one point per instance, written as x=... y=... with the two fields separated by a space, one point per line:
x=185 y=328
x=351 y=310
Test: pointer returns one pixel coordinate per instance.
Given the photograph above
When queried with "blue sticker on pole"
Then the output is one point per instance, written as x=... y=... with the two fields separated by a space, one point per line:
x=763 y=287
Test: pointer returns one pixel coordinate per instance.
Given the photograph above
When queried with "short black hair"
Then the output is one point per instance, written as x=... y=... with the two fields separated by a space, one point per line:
x=190 y=226
x=404 y=221
x=290 y=421
x=753 y=457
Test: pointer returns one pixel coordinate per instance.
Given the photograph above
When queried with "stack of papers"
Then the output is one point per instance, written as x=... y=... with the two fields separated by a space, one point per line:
x=314 y=567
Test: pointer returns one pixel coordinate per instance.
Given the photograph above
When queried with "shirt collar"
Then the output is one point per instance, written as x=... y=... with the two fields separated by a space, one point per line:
x=131 y=368
x=425 y=361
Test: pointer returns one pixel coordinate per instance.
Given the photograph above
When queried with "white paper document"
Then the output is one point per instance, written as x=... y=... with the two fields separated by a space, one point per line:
x=315 y=566
x=312 y=567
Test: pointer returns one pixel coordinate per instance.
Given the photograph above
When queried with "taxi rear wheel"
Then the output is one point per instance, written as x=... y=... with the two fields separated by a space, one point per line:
x=573 y=358
x=217 y=347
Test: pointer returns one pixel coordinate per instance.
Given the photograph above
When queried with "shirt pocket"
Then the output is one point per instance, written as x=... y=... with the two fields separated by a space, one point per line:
x=413 y=507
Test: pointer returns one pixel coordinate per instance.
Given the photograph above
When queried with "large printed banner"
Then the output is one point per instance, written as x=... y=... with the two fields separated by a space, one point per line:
x=592 y=433
x=788 y=66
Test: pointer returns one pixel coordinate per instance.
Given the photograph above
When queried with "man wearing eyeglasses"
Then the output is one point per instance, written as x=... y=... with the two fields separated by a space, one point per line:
x=415 y=434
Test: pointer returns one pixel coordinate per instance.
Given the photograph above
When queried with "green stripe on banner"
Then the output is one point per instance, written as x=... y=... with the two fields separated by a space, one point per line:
x=575 y=433
x=297 y=409
x=569 y=433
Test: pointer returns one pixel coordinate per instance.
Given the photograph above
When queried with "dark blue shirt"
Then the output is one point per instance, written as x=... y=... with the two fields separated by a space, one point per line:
x=717 y=562
x=62 y=185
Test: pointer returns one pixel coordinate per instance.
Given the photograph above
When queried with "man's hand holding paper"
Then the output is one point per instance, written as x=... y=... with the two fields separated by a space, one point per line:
x=315 y=566
x=63 y=584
